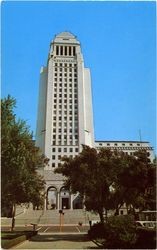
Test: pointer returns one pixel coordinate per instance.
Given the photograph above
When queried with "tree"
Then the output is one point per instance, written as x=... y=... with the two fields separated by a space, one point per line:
x=106 y=179
x=20 y=160
x=91 y=173
x=136 y=176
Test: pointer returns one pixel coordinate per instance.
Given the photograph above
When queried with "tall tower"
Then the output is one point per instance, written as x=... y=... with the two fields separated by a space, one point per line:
x=65 y=116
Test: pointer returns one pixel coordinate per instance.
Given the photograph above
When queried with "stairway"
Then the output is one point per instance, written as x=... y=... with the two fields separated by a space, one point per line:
x=49 y=217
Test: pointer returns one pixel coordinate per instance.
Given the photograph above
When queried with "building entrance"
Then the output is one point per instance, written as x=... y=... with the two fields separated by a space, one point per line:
x=65 y=203
x=65 y=198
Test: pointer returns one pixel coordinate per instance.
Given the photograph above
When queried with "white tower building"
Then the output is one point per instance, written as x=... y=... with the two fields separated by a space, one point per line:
x=65 y=116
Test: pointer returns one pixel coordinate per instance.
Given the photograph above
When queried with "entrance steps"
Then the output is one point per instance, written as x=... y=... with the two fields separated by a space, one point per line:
x=48 y=217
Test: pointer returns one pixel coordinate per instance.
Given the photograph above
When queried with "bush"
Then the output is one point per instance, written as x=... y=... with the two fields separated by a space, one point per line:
x=10 y=239
x=146 y=238
x=118 y=232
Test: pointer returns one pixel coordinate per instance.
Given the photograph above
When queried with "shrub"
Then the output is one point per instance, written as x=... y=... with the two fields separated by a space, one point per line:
x=118 y=232
x=146 y=238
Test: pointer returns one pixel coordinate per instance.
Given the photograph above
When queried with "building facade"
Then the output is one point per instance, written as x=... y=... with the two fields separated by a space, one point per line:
x=128 y=147
x=65 y=117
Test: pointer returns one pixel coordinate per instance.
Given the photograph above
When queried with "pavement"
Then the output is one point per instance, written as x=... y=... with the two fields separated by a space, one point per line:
x=58 y=241
x=50 y=228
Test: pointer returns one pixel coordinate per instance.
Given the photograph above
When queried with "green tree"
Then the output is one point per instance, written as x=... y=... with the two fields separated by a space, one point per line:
x=91 y=173
x=20 y=160
x=107 y=179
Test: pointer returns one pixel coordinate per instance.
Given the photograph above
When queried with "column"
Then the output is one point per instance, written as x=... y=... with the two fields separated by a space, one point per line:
x=58 y=200
x=71 y=201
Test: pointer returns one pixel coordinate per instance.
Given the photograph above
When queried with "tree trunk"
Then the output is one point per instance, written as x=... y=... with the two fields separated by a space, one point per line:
x=13 y=217
x=101 y=216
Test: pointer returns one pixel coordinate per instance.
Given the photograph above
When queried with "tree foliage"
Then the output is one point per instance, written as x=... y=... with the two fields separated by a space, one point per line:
x=107 y=178
x=20 y=159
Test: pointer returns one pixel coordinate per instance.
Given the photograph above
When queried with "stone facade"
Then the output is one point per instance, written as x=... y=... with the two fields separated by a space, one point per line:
x=65 y=116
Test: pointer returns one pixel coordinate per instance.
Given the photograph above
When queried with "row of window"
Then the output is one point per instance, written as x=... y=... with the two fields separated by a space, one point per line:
x=65 y=50
x=65 y=96
x=60 y=90
x=65 y=79
x=65 y=75
x=65 y=100
x=65 y=107
x=63 y=84
x=65 y=136
x=65 y=65
x=65 y=130
x=61 y=69
x=70 y=124
x=65 y=150
x=65 y=112
x=117 y=144
x=70 y=118
x=59 y=143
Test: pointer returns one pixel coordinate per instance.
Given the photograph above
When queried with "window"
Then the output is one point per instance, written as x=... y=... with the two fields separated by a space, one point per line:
x=108 y=144
x=76 y=149
x=65 y=51
x=130 y=144
x=57 y=53
x=54 y=130
x=53 y=165
x=69 y=52
x=53 y=157
x=65 y=149
x=74 y=51
x=53 y=150
x=61 y=50
x=71 y=150
x=59 y=149
x=115 y=144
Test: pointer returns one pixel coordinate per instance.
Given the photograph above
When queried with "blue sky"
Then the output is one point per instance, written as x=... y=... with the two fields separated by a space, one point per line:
x=118 y=44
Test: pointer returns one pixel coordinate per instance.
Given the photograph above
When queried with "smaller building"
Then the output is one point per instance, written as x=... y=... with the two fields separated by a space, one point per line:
x=128 y=147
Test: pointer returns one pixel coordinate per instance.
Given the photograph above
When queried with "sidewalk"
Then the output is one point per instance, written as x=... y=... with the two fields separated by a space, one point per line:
x=58 y=241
